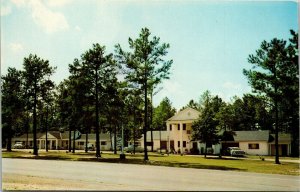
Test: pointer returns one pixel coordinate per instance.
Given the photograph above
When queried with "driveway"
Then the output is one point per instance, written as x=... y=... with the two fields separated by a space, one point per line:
x=72 y=175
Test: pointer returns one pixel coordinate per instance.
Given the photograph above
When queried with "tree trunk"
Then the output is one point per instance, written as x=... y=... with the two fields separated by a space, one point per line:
x=115 y=139
x=73 y=151
x=35 y=148
x=46 y=130
x=134 y=120
x=97 y=116
x=27 y=130
x=70 y=141
x=145 y=120
x=276 y=120
x=160 y=140
x=86 y=140
x=110 y=137
x=151 y=116
x=8 y=145
x=205 y=151
x=295 y=138
x=27 y=137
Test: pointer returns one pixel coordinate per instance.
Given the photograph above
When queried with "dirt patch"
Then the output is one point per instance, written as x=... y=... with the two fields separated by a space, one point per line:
x=25 y=182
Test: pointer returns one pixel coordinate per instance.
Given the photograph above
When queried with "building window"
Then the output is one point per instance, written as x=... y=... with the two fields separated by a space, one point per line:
x=253 y=146
x=188 y=132
x=184 y=144
x=103 y=142
x=80 y=143
x=184 y=126
x=178 y=126
x=170 y=127
x=178 y=143
x=149 y=143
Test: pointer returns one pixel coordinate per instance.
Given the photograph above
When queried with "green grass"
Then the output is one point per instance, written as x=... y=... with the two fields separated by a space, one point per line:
x=240 y=164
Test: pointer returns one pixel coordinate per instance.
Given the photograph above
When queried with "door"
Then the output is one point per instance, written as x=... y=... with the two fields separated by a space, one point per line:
x=284 y=150
x=172 y=145
x=163 y=144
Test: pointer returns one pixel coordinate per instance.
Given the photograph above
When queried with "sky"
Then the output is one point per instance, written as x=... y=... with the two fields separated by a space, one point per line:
x=210 y=41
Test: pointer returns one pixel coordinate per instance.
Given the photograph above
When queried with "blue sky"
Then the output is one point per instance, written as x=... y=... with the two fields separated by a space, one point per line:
x=209 y=41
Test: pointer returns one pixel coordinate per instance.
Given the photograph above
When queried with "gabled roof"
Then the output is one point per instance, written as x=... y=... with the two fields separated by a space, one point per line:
x=186 y=114
x=251 y=136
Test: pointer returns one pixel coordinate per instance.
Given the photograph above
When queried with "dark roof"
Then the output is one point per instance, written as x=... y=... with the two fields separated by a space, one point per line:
x=103 y=136
x=56 y=134
x=251 y=136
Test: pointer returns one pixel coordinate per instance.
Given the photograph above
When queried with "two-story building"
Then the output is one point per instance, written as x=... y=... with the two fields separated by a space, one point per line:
x=179 y=131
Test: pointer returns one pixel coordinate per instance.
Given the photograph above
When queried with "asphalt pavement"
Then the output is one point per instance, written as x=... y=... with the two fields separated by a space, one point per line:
x=112 y=176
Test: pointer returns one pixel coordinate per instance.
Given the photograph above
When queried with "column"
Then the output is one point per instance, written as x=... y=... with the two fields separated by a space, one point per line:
x=181 y=135
x=56 y=144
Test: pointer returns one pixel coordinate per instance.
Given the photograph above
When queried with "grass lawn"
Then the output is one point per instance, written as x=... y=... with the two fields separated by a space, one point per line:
x=199 y=162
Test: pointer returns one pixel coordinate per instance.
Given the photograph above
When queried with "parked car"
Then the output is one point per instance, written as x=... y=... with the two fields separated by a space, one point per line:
x=19 y=145
x=129 y=149
x=90 y=147
x=235 y=151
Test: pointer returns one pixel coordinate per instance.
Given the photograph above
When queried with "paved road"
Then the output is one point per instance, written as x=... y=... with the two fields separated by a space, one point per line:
x=107 y=176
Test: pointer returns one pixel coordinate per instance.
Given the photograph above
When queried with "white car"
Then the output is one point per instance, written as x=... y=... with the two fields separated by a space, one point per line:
x=19 y=145
x=129 y=149
x=235 y=151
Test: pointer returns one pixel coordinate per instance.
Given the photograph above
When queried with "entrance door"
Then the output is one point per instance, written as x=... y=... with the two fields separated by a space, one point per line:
x=284 y=149
x=172 y=146
x=163 y=144
x=195 y=145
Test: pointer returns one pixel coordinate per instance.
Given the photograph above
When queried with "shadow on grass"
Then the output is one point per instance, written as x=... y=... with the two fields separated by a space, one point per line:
x=222 y=158
x=196 y=166
x=160 y=163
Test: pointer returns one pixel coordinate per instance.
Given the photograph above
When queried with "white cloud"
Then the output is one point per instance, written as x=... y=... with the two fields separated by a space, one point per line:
x=5 y=10
x=58 y=3
x=16 y=47
x=50 y=21
x=44 y=17
x=230 y=85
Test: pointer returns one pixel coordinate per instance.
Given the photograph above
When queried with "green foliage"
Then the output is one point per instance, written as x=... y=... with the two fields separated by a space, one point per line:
x=205 y=128
x=277 y=77
x=36 y=76
x=162 y=113
x=244 y=114
x=144 y=66
x=12 y=105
